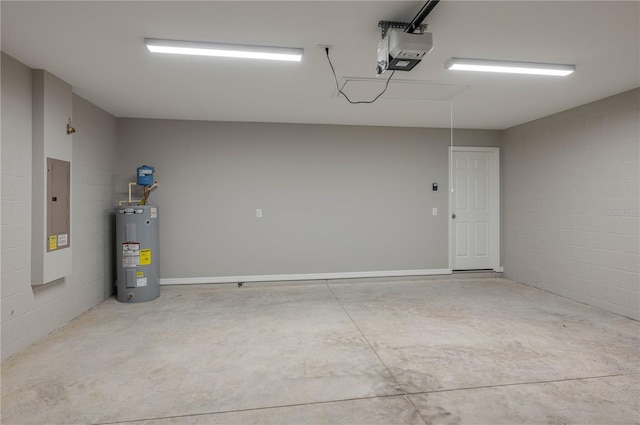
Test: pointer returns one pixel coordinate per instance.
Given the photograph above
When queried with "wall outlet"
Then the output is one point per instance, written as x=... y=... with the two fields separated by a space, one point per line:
x=259 y=213
x=434 y=211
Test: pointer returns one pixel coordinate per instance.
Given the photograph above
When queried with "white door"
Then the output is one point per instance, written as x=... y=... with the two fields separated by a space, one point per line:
x=475 y=209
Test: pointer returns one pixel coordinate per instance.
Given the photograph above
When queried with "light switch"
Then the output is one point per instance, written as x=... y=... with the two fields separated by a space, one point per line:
x=259 y=213
x=434 y=211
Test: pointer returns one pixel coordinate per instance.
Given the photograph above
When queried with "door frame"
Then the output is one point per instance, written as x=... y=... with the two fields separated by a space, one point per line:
x=494 y=200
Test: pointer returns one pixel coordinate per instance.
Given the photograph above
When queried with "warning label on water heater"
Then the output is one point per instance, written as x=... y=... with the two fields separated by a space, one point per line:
x=130 y=254
x=145 y=257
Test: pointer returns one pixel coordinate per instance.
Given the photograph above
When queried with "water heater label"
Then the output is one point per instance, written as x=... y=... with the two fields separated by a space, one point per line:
x=145 y=257
x=130 y=254
x=141 y=281
x=153 y=212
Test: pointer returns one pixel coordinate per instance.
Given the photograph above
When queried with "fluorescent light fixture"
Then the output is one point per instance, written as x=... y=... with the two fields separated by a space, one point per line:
x=482 y=65
x=223 y=50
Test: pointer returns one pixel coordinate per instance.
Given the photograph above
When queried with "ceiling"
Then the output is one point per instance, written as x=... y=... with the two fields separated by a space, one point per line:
x=97 y=47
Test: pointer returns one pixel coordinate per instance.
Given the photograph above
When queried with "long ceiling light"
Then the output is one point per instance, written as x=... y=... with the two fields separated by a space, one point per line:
x=482 y=65
x=223 y=50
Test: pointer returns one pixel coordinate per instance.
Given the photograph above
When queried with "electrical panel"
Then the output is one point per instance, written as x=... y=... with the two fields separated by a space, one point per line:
x=58 y=204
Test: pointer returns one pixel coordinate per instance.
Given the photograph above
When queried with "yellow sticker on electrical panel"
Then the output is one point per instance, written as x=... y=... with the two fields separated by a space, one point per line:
x=139 y=274
x=145 y=257
x=53 y=242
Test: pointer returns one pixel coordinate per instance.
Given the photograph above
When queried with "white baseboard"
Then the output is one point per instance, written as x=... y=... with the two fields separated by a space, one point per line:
x=307 y=276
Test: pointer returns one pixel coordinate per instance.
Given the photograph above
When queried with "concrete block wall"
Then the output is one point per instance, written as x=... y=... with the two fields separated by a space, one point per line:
x=571 y=209
x=15 y=216
x=29 y=313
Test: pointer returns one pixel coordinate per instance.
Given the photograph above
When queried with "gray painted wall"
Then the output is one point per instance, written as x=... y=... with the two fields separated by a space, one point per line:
x=334 y=198
x=29 y=313
x=571 y=209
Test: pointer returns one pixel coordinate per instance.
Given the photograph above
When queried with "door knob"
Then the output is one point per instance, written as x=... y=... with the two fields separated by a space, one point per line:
x=453 y=216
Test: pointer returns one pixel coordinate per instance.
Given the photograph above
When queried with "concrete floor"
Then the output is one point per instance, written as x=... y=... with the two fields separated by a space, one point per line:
x=439 y=351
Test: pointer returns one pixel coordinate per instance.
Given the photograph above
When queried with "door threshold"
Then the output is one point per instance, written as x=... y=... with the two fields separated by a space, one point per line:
x=473 y=271
x=480 y=273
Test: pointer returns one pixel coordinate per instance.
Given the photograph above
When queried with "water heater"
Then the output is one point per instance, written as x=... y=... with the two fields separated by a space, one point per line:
x=138 y=275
